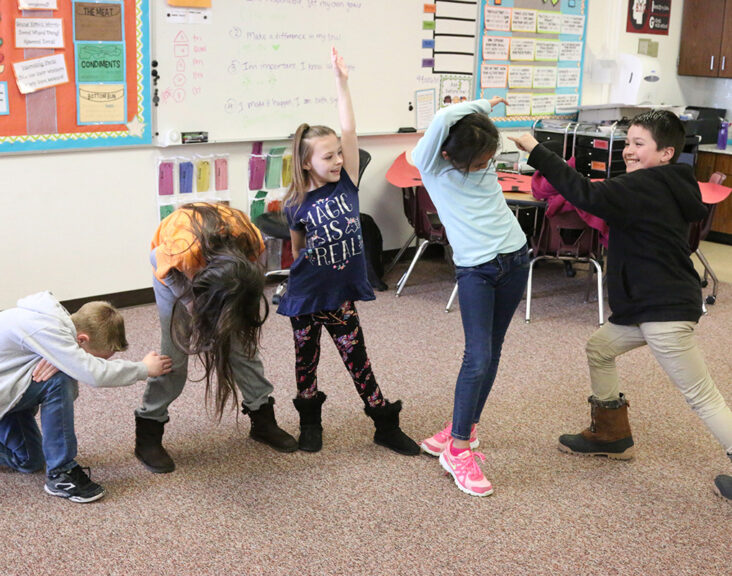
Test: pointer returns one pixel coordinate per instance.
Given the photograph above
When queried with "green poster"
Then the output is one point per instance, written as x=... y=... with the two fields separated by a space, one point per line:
x=100 y=63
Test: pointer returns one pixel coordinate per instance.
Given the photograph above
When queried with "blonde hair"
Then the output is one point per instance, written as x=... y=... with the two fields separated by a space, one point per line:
x=302 y=151
x=104 y=325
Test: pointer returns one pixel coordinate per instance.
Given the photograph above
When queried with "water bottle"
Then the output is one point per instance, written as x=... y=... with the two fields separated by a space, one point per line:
x=722 y=136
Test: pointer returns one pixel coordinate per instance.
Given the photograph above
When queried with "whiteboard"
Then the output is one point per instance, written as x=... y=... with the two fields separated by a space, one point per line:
x=255 y=69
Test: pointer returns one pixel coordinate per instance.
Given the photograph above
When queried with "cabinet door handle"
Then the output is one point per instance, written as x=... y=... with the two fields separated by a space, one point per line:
x=711 y=63
x=724 y=58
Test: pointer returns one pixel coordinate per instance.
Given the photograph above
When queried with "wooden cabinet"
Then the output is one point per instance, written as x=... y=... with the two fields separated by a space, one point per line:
x=706 y=164
x=706 y=39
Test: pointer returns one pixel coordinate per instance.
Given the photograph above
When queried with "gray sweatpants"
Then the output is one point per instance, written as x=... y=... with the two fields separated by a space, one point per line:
x=248 y=373
x=674 y=347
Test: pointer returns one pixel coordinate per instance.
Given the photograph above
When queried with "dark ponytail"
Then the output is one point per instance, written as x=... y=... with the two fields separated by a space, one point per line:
x=471 y=138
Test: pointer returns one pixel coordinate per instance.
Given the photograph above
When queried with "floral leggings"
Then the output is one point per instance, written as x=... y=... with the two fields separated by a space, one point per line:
x=345 y=330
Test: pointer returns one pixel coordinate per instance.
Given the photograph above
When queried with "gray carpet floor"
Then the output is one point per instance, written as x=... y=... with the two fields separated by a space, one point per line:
x=234 y=507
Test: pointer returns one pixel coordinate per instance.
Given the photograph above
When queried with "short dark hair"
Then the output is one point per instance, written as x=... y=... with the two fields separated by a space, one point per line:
x=665 y=128
x=472 y=137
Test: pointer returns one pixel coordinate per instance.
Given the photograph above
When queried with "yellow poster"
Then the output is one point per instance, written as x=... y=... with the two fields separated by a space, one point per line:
x=190 y=3
x=101 y=103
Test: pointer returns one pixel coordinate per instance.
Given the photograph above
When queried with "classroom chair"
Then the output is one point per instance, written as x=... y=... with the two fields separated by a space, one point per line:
x=568 y=238
x=427 y=227
x=421 y=215
x=698 y=232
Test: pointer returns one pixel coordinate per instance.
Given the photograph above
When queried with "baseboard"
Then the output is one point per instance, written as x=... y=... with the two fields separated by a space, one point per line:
x=117 y=299
x=719 y=238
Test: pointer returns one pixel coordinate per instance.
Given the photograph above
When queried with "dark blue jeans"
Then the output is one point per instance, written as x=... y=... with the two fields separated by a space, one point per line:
x=489 y=295
x=21 y=445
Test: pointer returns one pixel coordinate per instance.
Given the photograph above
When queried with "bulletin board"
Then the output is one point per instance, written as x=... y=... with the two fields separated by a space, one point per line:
x=531 y=53
x=74 y=74
x=254 y=70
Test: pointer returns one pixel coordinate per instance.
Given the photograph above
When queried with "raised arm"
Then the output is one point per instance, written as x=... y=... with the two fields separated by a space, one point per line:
x=427 y=154
x=349 y=140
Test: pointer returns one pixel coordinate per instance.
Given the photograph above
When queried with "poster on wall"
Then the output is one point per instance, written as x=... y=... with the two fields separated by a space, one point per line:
x=531 y=54
x=649 y=16
x=74 y=74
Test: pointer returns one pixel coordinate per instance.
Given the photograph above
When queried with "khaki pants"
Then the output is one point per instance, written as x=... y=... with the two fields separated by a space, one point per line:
x=674 y=347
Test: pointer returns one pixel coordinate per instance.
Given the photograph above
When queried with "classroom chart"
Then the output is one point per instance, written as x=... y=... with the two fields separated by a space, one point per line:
x=530 y=52
x=250 y=70
x=74 y=74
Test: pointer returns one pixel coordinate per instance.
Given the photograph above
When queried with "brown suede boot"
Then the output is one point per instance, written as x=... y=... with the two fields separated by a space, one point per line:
x=608 y=435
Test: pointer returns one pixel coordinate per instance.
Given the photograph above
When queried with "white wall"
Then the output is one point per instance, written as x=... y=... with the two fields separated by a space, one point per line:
x=79 y=223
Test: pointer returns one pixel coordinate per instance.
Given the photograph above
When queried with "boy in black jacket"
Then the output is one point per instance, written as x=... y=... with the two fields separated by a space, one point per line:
x=653 y=290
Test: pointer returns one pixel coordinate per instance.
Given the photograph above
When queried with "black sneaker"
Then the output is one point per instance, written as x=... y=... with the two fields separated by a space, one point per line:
x=723 y=486
x=75 y=485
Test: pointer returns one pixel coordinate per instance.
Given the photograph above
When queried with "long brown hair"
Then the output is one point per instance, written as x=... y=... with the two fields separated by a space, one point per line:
x=302 y=151
x=228 y=305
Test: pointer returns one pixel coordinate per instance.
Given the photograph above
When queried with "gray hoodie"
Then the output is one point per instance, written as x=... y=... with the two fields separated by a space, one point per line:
x=39 y=327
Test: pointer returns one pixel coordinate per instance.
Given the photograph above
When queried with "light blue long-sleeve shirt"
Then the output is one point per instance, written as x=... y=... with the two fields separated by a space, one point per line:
x=471 y=206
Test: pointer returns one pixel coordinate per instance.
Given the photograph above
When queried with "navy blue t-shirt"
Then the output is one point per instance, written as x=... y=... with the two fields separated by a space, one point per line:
x=331 y=269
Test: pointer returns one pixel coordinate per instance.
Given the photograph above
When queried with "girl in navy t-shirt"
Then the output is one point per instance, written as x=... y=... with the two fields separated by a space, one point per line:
x=329 y=272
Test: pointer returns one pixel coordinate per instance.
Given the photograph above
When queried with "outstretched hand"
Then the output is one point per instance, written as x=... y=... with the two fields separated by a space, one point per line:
x=157 y=365
x=496 y=100
x=525 y=142
x=339 y=66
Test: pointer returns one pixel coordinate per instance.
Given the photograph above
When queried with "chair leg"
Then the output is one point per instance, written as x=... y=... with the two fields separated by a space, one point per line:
x=279 y=291
x=399 y=254
x=712 y=298
x=452 y=298
x=528 y=287
x=405 y=276
x=600 y=306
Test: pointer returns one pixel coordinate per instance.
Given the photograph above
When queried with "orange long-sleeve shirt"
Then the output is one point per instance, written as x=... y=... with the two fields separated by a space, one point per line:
x=176 y=246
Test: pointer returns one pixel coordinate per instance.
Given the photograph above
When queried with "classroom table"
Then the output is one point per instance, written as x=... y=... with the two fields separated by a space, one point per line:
x=517 y=192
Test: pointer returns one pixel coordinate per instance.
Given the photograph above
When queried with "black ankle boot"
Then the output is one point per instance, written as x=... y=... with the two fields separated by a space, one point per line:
x=311 y=430
x=388 y=433
x=149 y=446
x=265 y=429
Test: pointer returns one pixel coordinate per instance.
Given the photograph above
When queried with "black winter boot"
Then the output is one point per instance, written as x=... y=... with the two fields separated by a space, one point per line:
x=311 y=430
x=265 y=429
x=608 y=434
x=149 y=446
x=388 y=433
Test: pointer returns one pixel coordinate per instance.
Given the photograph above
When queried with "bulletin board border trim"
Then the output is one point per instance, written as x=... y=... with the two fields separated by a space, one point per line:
x=143 y=117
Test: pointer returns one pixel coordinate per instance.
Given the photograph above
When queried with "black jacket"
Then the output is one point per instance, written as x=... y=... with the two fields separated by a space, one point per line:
x=650 y=275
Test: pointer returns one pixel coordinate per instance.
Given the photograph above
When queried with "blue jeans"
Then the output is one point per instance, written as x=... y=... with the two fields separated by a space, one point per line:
x=489 y=294
x=21 y=445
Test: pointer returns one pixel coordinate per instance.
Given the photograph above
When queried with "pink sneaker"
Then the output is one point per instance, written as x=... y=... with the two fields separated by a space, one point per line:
x=434 y=445
x=465 y=471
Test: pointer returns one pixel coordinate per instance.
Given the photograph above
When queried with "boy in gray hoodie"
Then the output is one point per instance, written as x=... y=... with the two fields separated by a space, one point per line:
x=44 y=351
